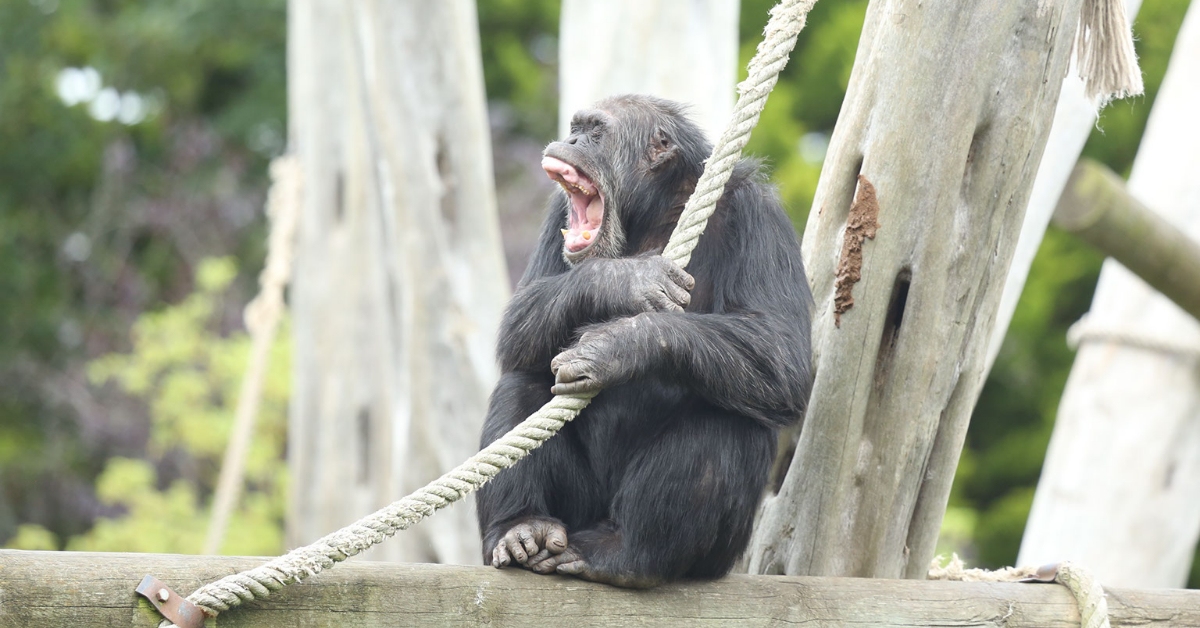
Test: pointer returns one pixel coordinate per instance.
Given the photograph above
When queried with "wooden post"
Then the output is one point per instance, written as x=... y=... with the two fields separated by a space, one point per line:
x=399 y=279
x=56 y=589
x=1097 y=208
x=947 y=112
x=685 y=52
x=1119 y=489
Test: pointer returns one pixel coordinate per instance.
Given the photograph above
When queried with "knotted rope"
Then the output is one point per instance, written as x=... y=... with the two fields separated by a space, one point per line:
x=787 y=19
x=1088 y=594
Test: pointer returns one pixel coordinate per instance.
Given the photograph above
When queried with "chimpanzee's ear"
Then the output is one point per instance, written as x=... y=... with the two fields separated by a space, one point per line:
x=662 y=150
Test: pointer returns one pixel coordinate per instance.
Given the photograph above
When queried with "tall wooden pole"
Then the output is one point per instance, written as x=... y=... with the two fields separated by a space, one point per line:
x=941 y=132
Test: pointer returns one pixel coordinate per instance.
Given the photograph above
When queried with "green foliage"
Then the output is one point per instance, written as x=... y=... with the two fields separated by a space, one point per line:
x=102 y=219
x=519 y=42
x=31 y=536
x=191 y=380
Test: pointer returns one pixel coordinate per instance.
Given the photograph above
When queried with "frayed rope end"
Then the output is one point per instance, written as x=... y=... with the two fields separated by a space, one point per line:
x=1104 y=52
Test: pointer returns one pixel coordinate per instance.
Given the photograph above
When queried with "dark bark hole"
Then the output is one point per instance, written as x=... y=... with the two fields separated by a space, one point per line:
x=339 y=196
x=449 y=186
x=891 y=325
x=899 y=299
x=363 y=425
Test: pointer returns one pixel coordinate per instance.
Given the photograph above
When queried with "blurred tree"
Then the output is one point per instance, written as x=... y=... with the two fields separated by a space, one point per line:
x=190 y=377
x=399 y=281
x=133 y=143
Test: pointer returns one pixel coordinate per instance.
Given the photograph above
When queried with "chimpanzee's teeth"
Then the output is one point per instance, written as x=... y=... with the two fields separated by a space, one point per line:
x=570 y=188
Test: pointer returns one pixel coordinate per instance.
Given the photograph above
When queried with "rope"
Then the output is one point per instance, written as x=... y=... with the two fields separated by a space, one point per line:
x=1088 y=594
x=262 y=317
x=1104 y=53
x=787 y=19
x=1084 y=330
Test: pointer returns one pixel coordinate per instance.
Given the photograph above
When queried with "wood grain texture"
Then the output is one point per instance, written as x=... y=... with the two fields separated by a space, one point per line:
x=56 y=589
x=947 y=113
x=1074 y=119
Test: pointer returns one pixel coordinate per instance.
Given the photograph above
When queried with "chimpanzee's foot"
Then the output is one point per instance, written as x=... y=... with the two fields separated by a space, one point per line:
x=531 y=538
x=571 y=562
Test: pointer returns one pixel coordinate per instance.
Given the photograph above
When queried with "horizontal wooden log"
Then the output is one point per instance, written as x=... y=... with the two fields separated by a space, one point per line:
x=1096 y=207
x=60 y=589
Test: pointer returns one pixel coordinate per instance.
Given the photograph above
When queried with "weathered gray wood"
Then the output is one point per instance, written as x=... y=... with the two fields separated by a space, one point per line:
x=1119 y=489
x=947 y=112
x=57 y=589
x=399 y=279
x=1097 y=208
x=1074 y=119
x=682 y=51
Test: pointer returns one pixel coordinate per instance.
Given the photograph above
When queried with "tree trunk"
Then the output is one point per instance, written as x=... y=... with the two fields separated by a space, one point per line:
x=1074 y=120
x=947 y=113
x=682 y=51
x=1120 y=490
x=399 y=280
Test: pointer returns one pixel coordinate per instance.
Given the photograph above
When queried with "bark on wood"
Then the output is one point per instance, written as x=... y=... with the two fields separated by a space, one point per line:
x=52 y=589
x=1074 y=119
x=685 y=52
x=399 y=279
x=947 y=113
x=1118 y=492
x=1097 y=208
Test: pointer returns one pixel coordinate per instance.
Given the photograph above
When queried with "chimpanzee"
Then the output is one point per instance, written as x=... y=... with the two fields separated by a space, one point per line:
x=659 y=478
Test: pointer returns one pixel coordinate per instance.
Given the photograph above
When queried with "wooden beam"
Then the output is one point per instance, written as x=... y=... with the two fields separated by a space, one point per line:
x=56 y=589
x=1096 y=207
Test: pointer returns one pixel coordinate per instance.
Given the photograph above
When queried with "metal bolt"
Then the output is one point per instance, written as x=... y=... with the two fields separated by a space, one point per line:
x=163 y=595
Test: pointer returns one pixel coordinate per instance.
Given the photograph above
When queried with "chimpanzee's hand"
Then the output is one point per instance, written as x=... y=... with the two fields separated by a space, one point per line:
x=643 y=284
x=603 y=357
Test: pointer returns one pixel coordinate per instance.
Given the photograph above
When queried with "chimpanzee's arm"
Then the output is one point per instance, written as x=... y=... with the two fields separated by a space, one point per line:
x=553 y=300
x=751 y=354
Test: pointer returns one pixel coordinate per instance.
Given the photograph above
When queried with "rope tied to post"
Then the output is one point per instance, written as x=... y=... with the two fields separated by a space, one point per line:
x=1089 y=595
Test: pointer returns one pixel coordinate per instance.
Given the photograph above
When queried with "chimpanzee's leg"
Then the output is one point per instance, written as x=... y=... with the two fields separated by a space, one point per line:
x=523 y=509
x=684 y=508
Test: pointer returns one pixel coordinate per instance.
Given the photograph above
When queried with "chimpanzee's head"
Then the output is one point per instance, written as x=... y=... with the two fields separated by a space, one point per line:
x=622 y=169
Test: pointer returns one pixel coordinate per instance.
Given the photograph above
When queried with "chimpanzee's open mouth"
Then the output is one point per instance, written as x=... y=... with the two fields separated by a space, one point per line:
x=586 y=214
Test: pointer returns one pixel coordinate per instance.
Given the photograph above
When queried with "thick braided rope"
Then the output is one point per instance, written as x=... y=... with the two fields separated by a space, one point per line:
x=787 y=19
x=1089 y=595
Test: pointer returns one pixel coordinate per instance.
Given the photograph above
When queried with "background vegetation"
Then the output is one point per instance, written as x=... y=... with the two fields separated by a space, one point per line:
x=134 y=139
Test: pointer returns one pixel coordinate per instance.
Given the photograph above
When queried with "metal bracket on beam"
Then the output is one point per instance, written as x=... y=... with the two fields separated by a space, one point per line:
x=170 y=604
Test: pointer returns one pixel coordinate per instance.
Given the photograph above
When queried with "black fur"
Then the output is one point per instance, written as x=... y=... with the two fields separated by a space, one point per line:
x=659 y=477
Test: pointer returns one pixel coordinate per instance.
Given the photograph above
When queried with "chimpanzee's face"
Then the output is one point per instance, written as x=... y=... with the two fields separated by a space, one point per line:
x=612 y=154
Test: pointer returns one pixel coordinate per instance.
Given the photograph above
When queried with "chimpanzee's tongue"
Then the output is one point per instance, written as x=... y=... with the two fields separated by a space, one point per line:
x=587 y=204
